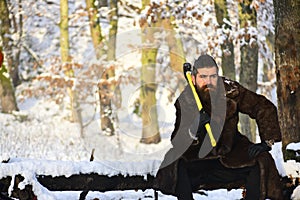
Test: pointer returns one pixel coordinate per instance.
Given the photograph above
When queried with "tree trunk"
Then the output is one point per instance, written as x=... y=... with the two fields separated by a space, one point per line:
x=227 y=47
x=64 y=32
x=106 y=90
x=109 y=89
x=249 y=62
x=287 y=61
x=7 y=96
x=67 y=66
x=95 y=28
x=177 y=54
x=150 y=130
x=113 y=22
x=104 y=86
x=6 y=29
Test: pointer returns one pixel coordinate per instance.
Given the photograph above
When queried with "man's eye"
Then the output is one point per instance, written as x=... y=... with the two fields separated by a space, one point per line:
x=210 y=76
x=203 y=76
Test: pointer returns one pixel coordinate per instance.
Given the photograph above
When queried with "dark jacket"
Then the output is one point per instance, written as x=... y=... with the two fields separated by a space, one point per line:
x=232 y=146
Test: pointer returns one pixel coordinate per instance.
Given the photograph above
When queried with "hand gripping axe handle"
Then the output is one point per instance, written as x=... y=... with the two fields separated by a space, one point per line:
x=188 y=75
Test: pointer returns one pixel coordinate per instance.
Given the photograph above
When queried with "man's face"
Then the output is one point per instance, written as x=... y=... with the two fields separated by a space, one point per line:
x=206 y=79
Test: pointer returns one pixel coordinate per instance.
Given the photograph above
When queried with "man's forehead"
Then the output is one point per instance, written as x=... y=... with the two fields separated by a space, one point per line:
x=207 y=70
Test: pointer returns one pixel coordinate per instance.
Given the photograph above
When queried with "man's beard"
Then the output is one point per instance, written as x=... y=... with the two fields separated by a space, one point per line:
x=207 y=93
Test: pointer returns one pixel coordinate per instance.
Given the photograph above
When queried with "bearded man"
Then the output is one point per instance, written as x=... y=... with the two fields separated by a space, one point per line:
x=193 y=163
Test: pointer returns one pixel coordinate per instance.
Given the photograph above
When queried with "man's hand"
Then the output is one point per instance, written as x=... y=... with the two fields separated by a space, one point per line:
x=258 y=148
x=198 y=125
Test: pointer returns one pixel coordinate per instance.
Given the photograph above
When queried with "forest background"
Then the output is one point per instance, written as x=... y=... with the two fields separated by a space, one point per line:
x=114 y=68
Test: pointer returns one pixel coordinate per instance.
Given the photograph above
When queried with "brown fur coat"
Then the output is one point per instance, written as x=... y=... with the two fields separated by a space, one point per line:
x=232 y=146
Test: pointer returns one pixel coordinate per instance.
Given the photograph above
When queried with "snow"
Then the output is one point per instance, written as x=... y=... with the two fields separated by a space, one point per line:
x=39 y=139
x=293 y=146
x=296 y=194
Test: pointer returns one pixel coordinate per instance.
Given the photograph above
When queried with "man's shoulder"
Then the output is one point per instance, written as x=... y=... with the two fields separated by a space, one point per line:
x=231 y=87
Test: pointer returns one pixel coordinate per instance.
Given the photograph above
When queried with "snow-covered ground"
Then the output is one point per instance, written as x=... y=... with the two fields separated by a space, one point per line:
x=39 y=140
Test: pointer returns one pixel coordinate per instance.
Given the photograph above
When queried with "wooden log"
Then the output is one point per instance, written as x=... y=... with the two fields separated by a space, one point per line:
x=24 y=194
x=77 y=182
x=95 y=182
x=103 y=183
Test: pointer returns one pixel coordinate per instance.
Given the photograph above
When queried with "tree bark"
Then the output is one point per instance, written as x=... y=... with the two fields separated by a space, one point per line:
x=105 y=87
x=95 y=28
x=6 y=29
x=177 y=54
x=227 y=47
x=107 y=124
x=287 y=61
x=150 y=130
x=249 y=61
x=66 y=62
x=7 y=95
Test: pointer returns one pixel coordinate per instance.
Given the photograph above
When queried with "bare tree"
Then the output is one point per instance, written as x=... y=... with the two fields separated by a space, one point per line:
x=12 y=49
x=104 y=88
x=7 y=95
x=287 y=60
x=249 y=60
x=227 y=46
x=95 y=28
x=150 y=130
x=107 y=87
x=66 y=61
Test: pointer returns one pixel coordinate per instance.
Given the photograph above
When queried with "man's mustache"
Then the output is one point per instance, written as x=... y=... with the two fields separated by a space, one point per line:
x=207 y=86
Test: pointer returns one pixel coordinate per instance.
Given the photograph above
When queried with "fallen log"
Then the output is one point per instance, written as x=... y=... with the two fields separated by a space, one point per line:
x=22 y=194
x=102 y=183
x=79 y=181
x=95 y=182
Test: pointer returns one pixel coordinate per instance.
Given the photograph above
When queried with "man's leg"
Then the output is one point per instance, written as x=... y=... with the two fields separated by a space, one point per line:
x=251 y=176
x=215 y=172
x=183 y=187
x=253 y=183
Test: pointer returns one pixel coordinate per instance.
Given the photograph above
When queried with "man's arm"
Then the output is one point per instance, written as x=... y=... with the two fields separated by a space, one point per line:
x=263 y=111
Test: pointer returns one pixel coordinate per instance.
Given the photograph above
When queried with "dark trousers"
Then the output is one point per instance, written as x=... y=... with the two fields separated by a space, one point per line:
x=194 y=173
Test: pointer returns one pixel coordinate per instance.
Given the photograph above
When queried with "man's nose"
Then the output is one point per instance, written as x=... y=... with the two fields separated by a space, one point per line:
x=208 y=80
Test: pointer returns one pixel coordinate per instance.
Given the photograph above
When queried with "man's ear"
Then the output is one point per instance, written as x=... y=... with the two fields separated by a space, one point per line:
x=194 y=79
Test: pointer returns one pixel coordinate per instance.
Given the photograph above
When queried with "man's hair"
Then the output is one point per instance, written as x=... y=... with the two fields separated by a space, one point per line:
x=204 y=61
